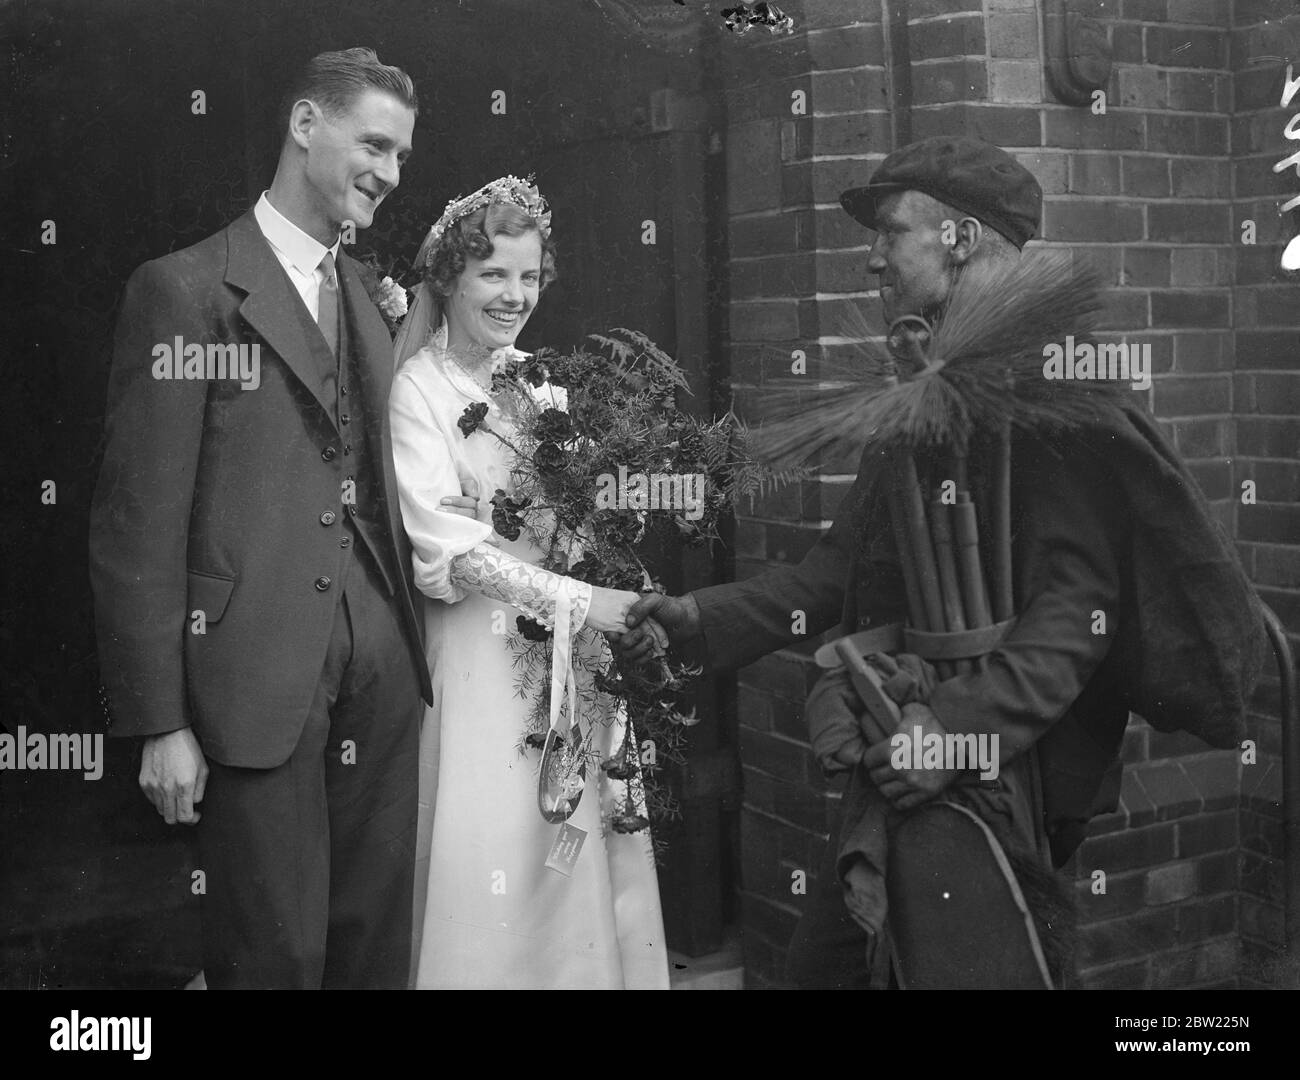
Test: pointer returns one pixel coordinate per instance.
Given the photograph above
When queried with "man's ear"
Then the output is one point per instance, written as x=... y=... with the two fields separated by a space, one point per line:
x=302 y=118
x=969 y=235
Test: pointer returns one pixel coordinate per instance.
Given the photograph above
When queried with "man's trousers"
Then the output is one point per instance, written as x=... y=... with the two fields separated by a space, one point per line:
x=308 y=867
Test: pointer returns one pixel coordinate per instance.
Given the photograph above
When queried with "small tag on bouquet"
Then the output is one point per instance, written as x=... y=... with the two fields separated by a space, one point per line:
x=566 y=849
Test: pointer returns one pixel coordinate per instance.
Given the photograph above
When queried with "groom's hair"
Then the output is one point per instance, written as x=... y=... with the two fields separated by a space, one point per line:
x=334 y=80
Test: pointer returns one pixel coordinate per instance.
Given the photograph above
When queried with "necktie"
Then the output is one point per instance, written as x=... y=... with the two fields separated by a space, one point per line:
x=327 y=312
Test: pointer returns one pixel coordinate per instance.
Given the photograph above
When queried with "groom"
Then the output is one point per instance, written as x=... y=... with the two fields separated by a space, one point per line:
x=255 y=613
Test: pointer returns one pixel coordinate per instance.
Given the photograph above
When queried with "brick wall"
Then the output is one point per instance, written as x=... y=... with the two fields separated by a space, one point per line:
x=793 y=256
x=1147 y=197
x=1154 y=191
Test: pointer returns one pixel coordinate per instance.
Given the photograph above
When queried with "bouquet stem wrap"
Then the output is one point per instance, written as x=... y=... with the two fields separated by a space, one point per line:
x=555 y=781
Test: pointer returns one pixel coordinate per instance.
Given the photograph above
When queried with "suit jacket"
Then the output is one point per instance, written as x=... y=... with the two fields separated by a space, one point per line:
x=1105 y=519
x=226 y=500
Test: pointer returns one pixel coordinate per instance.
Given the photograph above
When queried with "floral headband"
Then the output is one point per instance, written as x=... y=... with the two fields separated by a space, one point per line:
x=523 y=193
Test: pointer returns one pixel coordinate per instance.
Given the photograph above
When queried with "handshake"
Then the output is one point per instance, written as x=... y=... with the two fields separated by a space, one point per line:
x=638 y=628
x=654 y=622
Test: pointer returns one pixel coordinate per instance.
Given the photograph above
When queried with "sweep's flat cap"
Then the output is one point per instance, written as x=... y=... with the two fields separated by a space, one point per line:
x=968 y=174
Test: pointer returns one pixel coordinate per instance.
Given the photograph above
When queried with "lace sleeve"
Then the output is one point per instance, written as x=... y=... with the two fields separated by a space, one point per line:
x=492 y=572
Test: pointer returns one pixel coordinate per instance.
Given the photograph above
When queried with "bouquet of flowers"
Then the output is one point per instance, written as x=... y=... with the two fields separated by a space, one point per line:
x=616 y=469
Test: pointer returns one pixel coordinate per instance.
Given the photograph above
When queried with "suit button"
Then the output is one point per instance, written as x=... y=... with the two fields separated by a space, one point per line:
x=345 y=541
x=328 y=453
x=327 y=518
x=344 y=418
x=347 y=450
x=322 y=583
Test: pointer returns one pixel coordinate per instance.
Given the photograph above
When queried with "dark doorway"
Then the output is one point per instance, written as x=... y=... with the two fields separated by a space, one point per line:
x=106 y=138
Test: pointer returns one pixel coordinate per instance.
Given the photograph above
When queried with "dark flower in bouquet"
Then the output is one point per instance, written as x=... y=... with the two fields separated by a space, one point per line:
x=628 y=823
x=549 y=459
x=472 y=417
x=565 y=371
x=533 y=370
x=624 y=766
x=554 y=426
x=506 y=519
x=530 y=370
x=531 y=629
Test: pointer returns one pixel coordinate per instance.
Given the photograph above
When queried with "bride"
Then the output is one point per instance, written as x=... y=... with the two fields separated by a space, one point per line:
x=491 y=912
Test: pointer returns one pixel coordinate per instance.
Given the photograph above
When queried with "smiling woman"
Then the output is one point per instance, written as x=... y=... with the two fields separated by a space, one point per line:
x=492 y=910
x=493 y=297
x=486 y=274
x=476 y=235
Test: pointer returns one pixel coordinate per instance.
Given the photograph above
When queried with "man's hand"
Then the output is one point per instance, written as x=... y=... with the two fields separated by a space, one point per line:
x=173 y=775
x=907 y=788
x=677 y=616
x=834 y=729
x=466 y=503
x=660 y=644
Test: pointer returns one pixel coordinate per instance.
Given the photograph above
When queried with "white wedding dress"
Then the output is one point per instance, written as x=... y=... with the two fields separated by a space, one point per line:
x=489 y=914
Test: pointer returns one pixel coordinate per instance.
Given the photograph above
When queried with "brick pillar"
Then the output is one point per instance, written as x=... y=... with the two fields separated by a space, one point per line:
x=791 y=251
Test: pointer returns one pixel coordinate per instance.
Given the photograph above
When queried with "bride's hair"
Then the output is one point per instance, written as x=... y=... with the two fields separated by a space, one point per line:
x=444 y=258
x=471 y=237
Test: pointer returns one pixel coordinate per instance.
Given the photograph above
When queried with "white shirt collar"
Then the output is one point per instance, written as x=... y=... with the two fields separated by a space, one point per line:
x=303 y=251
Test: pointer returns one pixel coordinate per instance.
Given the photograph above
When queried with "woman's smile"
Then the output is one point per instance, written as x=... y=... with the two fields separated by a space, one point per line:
x=493 y=297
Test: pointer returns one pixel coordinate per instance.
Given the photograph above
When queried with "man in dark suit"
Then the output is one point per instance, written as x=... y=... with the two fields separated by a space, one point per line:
x=256 y=619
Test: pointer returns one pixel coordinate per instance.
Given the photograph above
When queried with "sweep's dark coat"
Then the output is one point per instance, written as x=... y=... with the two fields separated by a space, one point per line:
x=1108 y=525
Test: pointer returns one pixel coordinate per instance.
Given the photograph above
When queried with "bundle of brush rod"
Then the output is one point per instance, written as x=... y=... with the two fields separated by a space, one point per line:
x=944 y=391
x=954 y=617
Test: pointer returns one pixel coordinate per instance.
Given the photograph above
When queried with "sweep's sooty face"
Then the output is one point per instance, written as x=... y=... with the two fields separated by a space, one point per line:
x=355 y=158
x=909 y=256
x=493 y=297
